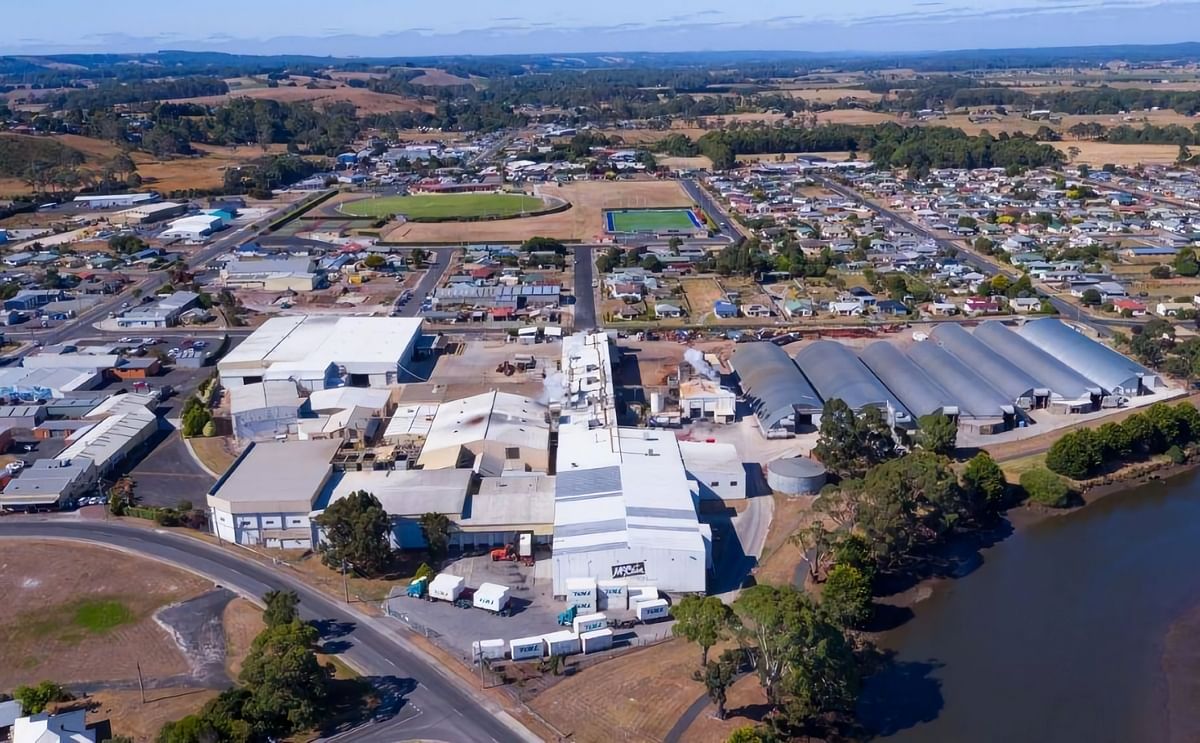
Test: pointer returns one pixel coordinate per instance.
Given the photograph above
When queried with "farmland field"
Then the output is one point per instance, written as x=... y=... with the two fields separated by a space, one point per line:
x=651 y=220
x=446 y=206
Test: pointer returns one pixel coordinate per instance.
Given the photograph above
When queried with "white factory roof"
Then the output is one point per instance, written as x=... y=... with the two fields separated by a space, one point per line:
x=280 y=476
x=344 y=398
x=276 y=393
x=511 y=500
x=119 y=404
x=53 y=380
x=411 y=420
x=112 y=438
x=493 y=416
x=701 y=456
x=403 y=492
x=361 y=344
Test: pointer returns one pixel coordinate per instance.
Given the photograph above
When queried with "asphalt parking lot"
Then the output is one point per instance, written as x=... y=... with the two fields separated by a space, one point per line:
x=534 y=609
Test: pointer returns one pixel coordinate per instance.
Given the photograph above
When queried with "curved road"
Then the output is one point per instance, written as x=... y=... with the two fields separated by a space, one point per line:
x=423 y=702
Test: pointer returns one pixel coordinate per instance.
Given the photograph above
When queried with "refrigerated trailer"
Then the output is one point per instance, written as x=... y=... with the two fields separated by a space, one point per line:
x=589 y=622
x=446 y=587
x=649 y=611
x=597 y=640
x=492 y=597
x=526 y=648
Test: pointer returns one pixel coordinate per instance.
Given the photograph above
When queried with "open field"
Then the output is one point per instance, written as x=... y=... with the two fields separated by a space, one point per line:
x=650 y=220
x=831 y=95
x=141 y=722
x=839 y=156
x=433 y=77
x=366 y=101
x=445 y=206
x=205 y=171
x=699 y=162
x=701 y=295
x=583 y=221
x=79 y=613
x=635 y=697
x=1099 y=153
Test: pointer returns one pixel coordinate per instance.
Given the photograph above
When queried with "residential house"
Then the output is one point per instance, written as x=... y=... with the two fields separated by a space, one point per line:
x=724 y=309
x=1132 y=306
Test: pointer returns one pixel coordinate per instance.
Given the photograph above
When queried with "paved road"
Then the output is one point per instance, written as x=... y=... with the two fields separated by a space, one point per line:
x=430 y=281
x=424 y=704
x=725 y=224
x=1066 y=309
x=585 y=293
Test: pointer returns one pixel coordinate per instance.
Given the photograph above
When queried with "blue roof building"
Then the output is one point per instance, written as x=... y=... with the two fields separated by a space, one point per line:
x=725 y=309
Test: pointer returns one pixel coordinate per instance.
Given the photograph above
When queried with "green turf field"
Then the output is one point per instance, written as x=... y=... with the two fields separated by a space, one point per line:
x=445 y=206
x=650 y=220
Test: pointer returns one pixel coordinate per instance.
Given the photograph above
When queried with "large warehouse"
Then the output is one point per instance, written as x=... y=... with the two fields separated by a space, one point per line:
x=1070 y=390
x=320 y=351
x=623 y=504
x=1116 y=374
x=779 y=395
x=1017 y=385
x=981 y=406
x=837 y=374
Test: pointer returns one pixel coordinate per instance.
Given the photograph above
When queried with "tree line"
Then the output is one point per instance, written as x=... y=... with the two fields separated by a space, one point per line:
x=117 y=93
x=1160 y=429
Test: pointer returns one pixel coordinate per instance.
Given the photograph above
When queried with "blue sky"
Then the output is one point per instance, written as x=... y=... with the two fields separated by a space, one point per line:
x=411 y=27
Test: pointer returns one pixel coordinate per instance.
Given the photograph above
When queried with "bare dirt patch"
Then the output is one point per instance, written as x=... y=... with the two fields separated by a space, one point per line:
x=780 y=557
x=745 y=704
x=43 y=634
x=128 y=716
x=243 y=621
x=1099 y=153
x=583 y=221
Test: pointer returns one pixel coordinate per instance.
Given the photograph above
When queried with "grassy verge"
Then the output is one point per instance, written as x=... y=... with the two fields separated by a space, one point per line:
x=213 y=452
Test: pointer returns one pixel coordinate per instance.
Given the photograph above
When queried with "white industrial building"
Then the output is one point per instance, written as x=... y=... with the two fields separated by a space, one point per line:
x=493 y=432
x=267 y=495
x=193 y=229
x=270 y=274
x=152 y=212
x=624 y=506
x=320 y=351
x=21 y=383
x=110 y=201
x=716 y=468
x=706 y=400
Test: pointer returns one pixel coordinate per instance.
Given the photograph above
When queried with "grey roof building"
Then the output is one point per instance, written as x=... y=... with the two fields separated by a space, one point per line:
x=1071 y=387
x=1012 y=380
x=975 y=395
x=836 y=373
x=919 y=392
x=1115 y=373
x=776 y=389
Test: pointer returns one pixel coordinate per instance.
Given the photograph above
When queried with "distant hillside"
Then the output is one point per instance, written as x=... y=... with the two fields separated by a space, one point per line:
x=18 y=154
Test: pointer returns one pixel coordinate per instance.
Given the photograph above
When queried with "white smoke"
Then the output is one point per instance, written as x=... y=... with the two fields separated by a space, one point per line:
x=696 y=358
x=554 y=388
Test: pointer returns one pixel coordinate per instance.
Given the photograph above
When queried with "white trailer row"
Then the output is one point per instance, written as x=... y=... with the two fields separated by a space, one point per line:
x=491 y=597
x=589 y=595
x=589 y=634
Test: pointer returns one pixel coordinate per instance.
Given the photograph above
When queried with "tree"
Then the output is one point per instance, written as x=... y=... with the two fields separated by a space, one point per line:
x=652 y=263
x=281 y=607
x=817 y=544
x=36 y=698
x=967 y=222
x=717 y=676
x=846 y=596
x=908 y=501
x=375 y=261
x=1046 y=488
x=356 y=533
x=436 y=529
x=750 y=734
x=1114 y=441
x=938 y=434
x=984 y=481
x=802 y=659
x=1077 y=454
x=1185 y=263
x=702 y=620
x=1091 y=297
x=287 y=686
x=419 y=257
x=849 y=444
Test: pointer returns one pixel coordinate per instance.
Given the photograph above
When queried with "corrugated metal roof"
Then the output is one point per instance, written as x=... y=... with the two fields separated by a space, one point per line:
x=837 y=373
x=1051 y=373
x=998 y=370
x=974 y=395
x=773 y=383
x=1113 y=371
x=919 y=392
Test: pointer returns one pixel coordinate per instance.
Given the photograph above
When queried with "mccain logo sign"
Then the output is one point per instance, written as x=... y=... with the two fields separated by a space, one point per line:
x=629 y=569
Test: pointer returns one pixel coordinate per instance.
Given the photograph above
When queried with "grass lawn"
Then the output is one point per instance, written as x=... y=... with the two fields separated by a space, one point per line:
x=101 y=615
x=446 y=206
x=650 y=220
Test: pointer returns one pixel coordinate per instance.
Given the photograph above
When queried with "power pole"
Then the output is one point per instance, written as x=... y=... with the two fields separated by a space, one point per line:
x=345 y=582
x=141 y=683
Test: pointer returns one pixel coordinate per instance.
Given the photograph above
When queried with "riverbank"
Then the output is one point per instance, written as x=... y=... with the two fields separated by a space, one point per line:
x=1180 y=661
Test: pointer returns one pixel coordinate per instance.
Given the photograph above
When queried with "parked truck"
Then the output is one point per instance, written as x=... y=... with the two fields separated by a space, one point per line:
x=446 y=587
x=492 y=597
x=418 y=587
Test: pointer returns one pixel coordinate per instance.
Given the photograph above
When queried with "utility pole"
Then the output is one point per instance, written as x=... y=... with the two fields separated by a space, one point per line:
x=345 y=581
x=141 y=683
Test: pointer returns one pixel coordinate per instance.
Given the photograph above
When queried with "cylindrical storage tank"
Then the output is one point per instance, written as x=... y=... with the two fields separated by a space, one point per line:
x=796 y=476
x=594 y=642
x=656 y=405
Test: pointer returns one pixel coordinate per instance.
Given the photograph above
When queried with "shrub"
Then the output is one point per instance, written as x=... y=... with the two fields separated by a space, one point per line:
x=1046 y=488
x=1177 y=455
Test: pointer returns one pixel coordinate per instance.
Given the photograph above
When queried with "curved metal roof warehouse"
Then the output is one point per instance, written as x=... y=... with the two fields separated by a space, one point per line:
x=919 y=392
x=1061 y=379
x=1116 y=373
x=775 y=386
x=976 y=397
x=1013 y=381
x=836 y=373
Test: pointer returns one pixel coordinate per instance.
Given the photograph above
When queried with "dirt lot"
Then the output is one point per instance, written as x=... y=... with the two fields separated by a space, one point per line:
x=367 y=101
x=745 y=704
x=702 y=294
x=48 y=628
x=129 y=717
x=634 y=697
x=583 y=221
x=780 y=557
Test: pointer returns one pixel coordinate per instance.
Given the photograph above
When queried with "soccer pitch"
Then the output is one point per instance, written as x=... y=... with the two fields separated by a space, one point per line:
x=651 y=220
x=446 y=206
